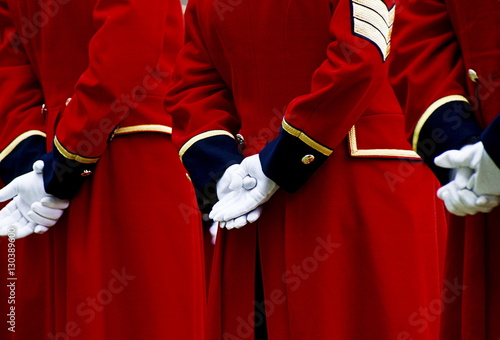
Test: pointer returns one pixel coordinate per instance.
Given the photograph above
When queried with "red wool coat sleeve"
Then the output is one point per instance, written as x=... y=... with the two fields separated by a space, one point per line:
x=123 y=72
x=314 y=123
x=429 y=77
x=22 y=127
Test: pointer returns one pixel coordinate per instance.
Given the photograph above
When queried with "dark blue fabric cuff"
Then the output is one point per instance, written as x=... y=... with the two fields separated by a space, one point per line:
x=491 y=140
x=207 y=159
x=21 y=159
x=290 y=162
x=63 y=177
x=450 y=127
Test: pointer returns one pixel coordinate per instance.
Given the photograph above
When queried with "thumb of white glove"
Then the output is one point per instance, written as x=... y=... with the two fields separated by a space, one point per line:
x=467 y=157
x=248 y=189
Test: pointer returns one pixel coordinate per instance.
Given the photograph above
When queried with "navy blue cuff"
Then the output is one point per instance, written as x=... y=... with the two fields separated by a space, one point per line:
x=207 y=159
x=491 y=140
x=63 y=177
x=20 y=160
x=450 y=127
x=290 y=162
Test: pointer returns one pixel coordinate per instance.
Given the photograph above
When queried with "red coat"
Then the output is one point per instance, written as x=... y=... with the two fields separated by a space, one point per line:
x=445 y=72
x=345 y=249
x=126 y=259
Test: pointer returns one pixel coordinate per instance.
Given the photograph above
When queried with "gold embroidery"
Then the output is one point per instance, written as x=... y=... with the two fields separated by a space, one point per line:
x=355 y=152
x=373 y=21
x=306 y=139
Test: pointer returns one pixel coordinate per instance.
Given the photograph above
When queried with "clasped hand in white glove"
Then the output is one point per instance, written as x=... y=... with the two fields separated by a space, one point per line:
x=486 y=177
x=461 y=201
x=470 y=192
x=241 y=191
x=32 y=210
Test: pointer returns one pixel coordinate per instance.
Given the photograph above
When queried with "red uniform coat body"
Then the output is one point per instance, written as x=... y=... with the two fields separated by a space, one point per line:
x=125 y=260
x=354 y=252
x=443 y=49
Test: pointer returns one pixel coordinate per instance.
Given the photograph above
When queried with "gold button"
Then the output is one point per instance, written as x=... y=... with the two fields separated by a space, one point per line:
x=308 y=159
x=473 y=75
x=44 y=110
x=240 y=139
x=67 y=101
x=86 y=173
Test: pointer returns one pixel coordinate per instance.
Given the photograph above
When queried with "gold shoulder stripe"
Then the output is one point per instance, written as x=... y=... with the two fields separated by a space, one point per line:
x=73 y=156
x=5 y=152
x=197 y=138
x=306 y=139
x=430 y=110
x=355 y=152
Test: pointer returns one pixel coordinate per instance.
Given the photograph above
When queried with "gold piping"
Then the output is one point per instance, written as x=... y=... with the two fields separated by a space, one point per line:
x=306 y=139
x=143 y=128
x=72 y=156
x=427 y=113
x=355 y=152
x=5 y=152
x=201 y=136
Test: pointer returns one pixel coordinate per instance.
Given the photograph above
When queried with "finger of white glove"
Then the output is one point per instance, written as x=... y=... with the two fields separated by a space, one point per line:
x=254 y=214
x=237 y=178
x=231 y=208
x=449 y=195
x=40 y=219
x=54 y=202
x=213 y=231
x=230 y=224
x=465 y=157
x=450 y=203
x=462 y=177
x=488 y=201
x=240 y=222
x=38 y=166
x=46 y=212
x=222 y=224
x=40 y=229
x=468 y=200
x=224 y=181
x=450 y=159
x=249 y=182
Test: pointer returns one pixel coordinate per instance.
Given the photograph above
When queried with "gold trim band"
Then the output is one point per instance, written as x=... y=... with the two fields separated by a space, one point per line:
x=143 y=128
x=355 y=152
x=72 y=156
x=5 y=152
x=306 y=139
x=427 y=113
x=201 y=136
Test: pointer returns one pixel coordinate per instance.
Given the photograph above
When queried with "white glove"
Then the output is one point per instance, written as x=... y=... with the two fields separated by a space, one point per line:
x=229 y=182
x=486 y=177
x=32 y=208
x=243 y=189
x=13 y=224
x=461 y=201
